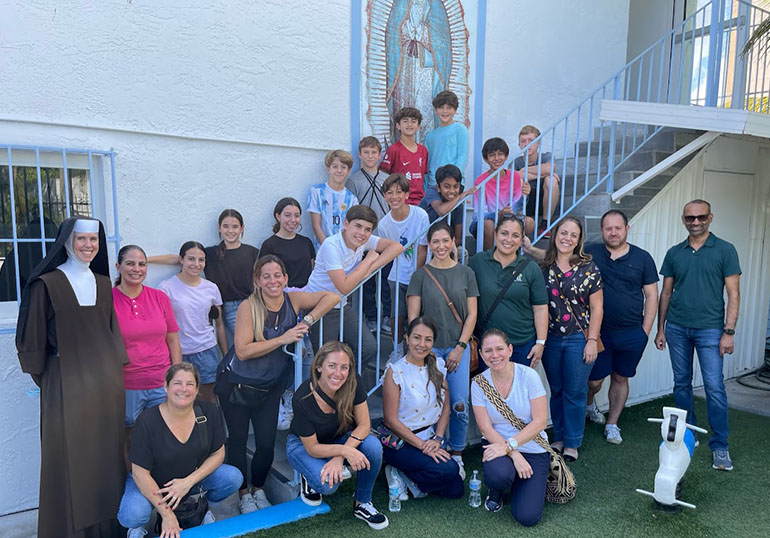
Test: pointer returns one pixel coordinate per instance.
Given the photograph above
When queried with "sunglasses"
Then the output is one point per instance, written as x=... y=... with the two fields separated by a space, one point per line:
x=689 y=219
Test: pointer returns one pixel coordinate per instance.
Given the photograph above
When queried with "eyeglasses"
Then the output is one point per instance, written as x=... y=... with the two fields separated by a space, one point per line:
x=689 y=219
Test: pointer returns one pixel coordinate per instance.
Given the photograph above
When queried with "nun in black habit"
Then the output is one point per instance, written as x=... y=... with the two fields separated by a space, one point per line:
x=69 y=341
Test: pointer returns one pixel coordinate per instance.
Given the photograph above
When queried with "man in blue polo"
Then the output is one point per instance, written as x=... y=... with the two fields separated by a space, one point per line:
x=691 y=315
x=630 y=283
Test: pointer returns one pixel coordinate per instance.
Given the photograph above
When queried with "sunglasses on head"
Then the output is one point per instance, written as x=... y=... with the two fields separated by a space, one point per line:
x=691 y=218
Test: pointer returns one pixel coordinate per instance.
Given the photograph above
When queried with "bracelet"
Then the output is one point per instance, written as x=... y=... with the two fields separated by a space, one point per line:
x=589 y=339
x=357 y=438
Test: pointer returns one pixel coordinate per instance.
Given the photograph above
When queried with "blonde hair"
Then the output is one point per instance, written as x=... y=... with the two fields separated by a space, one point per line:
x=344 y=157
x=529 y=129
x=347 y=392
x=257 y=303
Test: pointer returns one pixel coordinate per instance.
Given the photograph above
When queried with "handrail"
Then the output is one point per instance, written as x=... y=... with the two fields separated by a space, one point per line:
x=580 y=152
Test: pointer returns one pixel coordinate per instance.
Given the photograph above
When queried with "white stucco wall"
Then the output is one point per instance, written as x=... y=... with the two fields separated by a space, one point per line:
x=544 y=57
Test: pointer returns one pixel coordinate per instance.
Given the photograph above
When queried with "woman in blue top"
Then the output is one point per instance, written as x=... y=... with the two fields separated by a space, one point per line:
x=268 y=320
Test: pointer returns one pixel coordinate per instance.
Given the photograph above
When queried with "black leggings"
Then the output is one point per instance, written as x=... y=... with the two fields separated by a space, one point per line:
x=264 y=419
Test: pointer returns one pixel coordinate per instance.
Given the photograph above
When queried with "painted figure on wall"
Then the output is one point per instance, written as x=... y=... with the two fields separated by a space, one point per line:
x=414 y=50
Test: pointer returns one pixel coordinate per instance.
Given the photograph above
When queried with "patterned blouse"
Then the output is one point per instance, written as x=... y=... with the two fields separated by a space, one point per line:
x=575 y=285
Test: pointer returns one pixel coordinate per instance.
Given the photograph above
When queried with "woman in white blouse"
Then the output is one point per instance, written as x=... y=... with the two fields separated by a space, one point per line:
x=512 y=459
x=416 y=409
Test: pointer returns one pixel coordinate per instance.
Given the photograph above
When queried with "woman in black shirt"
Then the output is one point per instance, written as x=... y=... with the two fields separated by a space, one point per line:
x=172 y=450
x=331 y=425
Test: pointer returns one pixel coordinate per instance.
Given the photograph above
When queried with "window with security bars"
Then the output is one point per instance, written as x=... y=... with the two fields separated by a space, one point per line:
x=39 y=188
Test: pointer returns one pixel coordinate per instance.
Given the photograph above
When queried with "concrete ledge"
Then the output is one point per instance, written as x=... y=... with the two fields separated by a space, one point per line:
x=279 y=514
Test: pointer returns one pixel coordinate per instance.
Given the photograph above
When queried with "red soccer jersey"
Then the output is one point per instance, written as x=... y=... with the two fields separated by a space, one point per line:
x=414 y=165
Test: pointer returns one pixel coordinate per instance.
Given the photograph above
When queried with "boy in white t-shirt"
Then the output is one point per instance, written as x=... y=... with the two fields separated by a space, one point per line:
x=329 y=202
x=340 y=266
x=406 y=224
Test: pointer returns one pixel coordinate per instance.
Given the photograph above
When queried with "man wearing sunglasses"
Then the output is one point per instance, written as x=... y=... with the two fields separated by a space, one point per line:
x=691 y=315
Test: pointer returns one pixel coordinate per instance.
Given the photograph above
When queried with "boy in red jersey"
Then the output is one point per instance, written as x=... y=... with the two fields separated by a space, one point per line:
x=407 y=156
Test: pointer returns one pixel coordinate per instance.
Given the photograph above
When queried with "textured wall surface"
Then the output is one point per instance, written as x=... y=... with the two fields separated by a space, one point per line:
x=544 y=57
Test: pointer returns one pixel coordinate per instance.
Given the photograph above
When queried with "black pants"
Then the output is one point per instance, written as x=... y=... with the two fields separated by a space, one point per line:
x=264 y=419
x=527 y=495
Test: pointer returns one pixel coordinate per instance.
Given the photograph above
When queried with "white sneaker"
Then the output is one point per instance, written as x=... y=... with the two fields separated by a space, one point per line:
x=593 y=413
x=394 y=481
x=346 y=472
x=247 y=504
x=413 y=488
x=208 y=518
x=385 y=327
x=136 y=532
x=261 y=499
x=612 y=434
x=459 y=459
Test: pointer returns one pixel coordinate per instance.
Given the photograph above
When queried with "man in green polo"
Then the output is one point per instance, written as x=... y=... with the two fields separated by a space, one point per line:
x=691 y=315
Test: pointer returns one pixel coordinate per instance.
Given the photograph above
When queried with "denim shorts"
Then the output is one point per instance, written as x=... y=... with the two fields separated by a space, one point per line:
x=623 y=349
x=206 y=362
x=140 y=399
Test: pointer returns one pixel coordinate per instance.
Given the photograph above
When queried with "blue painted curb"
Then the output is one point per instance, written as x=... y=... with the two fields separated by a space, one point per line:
x=279 y=514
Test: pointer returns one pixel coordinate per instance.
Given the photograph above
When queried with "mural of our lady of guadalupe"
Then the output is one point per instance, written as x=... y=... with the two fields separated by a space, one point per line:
x=415 y=49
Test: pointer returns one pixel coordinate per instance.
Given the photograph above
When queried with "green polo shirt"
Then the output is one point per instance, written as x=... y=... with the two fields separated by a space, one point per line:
x=514 y=314
x=697 y=301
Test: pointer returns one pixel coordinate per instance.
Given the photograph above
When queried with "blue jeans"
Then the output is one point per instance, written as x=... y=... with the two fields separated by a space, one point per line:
x=206 y=362
x=521 y=351
x=229 y=310
x=681 y=343
x=568 y=378
x=139 y=400
x=459 y=388
x=310 y=467
x=135 y=510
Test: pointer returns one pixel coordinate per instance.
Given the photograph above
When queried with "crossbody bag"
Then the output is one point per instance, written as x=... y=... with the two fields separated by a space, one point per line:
x=599 y=343
x=473 y=342
x=561 y=486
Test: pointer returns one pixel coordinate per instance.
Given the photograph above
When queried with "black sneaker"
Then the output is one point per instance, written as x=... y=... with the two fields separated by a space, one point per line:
x=369 y=513
x=308 y=495
x=494 y=502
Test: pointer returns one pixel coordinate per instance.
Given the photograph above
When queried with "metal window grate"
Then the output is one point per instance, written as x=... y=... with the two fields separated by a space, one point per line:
x=40 y=186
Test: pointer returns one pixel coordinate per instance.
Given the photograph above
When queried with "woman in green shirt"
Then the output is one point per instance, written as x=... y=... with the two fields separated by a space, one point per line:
x=512 y=295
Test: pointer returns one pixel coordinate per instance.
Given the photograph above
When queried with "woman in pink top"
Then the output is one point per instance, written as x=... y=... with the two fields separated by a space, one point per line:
x=150 y=334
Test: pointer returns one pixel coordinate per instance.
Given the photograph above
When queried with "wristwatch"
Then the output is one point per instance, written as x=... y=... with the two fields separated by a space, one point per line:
x=511 y=444
x=462 y=344
x=541 y=342
x=729 y=332
x=309 y=319
x=438 y=438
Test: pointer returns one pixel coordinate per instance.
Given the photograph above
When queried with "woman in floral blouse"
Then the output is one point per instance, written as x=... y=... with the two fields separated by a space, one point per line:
x=575 y=304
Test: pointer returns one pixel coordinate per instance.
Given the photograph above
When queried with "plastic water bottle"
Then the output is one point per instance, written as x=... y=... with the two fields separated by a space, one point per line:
x=395 y=501
x=474 y=499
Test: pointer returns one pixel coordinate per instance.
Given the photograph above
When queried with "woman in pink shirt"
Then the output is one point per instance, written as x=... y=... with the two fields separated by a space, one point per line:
x=149 y=330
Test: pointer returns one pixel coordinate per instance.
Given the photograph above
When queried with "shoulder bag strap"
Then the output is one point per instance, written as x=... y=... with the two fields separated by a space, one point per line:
x=202 y=434
x=446 y=297
x=504 y=409
x=514 y=274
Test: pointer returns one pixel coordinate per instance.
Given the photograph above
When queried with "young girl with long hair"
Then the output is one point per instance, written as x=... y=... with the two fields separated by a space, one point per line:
x=228 y=265
x=268 y=320
x=197 y=307
x=296 y=251
x=414 y=394
x=331 y=424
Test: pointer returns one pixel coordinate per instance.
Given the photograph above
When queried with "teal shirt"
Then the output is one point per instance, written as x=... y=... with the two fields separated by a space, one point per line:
x=514 y=315
x=446 y=145
x=697 y=301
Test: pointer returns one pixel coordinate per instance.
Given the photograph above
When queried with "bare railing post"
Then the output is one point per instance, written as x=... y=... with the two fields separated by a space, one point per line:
x=715 y=52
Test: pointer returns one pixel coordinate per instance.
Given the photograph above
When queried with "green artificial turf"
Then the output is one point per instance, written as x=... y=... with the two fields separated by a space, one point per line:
x=729 y=504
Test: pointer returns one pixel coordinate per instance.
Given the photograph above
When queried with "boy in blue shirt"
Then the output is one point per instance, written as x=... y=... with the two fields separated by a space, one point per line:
x=448 y=143
x=328 y=203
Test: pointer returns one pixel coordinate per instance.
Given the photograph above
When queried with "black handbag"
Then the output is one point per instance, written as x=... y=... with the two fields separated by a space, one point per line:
x=223 y=386
x=191 y=511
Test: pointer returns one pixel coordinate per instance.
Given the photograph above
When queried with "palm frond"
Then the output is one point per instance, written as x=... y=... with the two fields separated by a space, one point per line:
x=761 y=32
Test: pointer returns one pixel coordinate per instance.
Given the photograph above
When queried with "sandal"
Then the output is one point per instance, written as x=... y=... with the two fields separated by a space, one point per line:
x=571 y=458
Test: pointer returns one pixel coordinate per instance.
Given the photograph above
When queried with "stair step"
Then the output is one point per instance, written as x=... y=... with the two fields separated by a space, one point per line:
x=287 y=512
